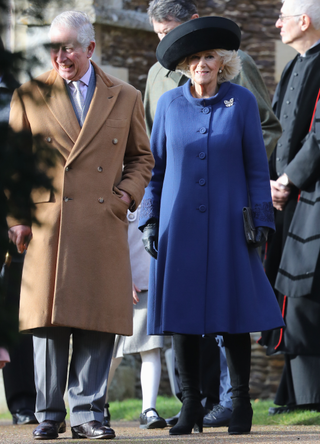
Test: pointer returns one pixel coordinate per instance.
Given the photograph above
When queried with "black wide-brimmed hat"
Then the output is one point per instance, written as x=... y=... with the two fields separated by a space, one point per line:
x=197 y=35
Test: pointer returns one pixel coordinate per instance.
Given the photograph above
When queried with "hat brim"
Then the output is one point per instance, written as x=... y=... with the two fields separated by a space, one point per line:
x=197 y=35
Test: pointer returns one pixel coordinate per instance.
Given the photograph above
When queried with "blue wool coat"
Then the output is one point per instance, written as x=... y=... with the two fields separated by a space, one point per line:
x=207 y=152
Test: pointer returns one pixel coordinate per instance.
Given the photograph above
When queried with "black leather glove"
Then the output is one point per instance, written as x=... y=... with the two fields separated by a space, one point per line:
x=150 y=238
x=261 y=236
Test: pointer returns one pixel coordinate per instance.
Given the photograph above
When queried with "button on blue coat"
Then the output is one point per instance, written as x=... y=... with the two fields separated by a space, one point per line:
x=206 y=279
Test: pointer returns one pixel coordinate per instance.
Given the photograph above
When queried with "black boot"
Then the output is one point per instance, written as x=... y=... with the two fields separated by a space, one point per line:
x=238 y=352
x=186 y=349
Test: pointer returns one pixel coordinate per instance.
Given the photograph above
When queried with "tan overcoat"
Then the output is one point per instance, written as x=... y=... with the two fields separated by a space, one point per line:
x=77 y=268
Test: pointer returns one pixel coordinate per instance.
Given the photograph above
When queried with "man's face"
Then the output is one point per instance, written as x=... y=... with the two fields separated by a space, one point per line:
x=163 y=28
x=68 y=57
x=290 y=29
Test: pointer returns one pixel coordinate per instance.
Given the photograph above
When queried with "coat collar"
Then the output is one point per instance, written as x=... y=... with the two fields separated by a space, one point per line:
x=56 y=97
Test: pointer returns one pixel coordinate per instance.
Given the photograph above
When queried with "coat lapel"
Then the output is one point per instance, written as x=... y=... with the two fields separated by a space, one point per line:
x=102 y=103
x=57 y=100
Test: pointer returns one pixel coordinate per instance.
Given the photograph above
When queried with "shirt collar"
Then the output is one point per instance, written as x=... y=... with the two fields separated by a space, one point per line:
x=86 y=78
x=315 y=44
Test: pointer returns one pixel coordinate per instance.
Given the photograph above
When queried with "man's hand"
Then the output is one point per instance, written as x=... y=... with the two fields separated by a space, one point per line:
x=126 y=197
x=279 y=193
x=135 y=290
x=20 y=235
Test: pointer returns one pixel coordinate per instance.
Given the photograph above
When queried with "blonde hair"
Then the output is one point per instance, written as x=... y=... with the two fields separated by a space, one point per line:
x=230 y=60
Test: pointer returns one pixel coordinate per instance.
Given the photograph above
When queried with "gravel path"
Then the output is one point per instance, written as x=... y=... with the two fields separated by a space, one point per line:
x=129 y=432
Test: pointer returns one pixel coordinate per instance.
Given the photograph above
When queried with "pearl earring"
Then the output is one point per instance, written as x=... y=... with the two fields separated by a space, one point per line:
x=220 y=71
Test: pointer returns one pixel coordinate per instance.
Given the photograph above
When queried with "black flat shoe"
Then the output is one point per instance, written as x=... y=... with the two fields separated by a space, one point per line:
x=173 y=420
x=279 y=410
x=92 y=430
x=152 y=422
x=49 y=429
x=24 y=417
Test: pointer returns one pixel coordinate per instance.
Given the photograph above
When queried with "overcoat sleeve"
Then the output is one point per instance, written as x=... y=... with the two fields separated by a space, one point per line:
x=256 y=167
x=21 y=145
x=251 y=79
x=150 y=207
x=137 y=153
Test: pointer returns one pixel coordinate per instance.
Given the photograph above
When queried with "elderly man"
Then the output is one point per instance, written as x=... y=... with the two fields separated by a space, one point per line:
x=166 y=15
x=292 y=262
x=77 y=278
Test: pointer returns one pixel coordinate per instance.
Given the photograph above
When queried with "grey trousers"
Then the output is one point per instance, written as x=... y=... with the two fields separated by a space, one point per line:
x=88 y=373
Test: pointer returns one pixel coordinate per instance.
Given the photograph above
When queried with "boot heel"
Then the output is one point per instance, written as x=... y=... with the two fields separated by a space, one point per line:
x=198 y=427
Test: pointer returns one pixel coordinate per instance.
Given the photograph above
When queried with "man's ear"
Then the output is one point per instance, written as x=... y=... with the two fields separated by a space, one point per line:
x=305 y=22
x=195 y=16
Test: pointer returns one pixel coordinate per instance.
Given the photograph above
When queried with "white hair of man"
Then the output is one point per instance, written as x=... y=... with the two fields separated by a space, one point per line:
x=230 y=60
x=79 y=21
x=309 y=7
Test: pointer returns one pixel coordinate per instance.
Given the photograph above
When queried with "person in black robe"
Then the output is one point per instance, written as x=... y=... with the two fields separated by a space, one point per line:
x=294 y=167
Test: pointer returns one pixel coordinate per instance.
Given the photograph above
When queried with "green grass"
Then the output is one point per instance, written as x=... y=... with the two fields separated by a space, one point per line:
x=130 y=409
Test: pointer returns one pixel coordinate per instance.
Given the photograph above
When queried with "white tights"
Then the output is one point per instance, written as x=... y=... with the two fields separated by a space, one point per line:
x=149 y=377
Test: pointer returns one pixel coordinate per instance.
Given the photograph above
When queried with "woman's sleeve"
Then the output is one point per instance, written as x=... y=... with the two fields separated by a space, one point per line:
x=256 y=166
x=150 y=206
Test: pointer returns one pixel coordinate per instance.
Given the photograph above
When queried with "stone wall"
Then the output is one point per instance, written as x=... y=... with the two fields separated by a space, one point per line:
x=256 y=18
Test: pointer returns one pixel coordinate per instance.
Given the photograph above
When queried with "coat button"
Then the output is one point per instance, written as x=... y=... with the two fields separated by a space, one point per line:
x=202 y=182
x=202 y=130
x=66 y=199
x=202 y=155
x=49 y=139
x=202 y=208
x=131 y=217
x=206 y=110
x=291 y=88
x=67 y=168
x=100 y=169
x=101 y=200
x=114 y=141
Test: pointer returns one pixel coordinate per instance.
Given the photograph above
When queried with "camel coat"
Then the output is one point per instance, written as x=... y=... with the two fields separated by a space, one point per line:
x=77 y=267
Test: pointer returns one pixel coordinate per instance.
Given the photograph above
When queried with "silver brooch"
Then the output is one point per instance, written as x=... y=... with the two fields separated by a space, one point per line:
x=229 y=103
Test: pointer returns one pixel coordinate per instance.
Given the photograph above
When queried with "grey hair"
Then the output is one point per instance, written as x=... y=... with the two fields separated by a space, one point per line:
x=79 y=21
x=230 y=59
x=168 y=10
x=309 y=7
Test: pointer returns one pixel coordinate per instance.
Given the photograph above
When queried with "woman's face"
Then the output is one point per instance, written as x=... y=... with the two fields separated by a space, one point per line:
x=204 y=67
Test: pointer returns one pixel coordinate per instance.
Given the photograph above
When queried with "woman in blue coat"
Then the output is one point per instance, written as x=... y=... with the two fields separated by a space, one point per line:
x=209 y=156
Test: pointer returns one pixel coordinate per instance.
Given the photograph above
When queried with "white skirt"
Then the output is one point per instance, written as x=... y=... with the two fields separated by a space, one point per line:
x=139 y=341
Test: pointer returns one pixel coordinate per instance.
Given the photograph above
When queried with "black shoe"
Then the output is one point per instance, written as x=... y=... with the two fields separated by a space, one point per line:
x=24 y=417
x=49 y=429
x=151 y=422
x=292 y=408
x=92 y=430
x=173 y=420
x=107 y=417
x=218 y=417
x=279 y=410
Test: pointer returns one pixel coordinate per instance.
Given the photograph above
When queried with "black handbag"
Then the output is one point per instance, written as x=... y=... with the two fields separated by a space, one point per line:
x=249 y=228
